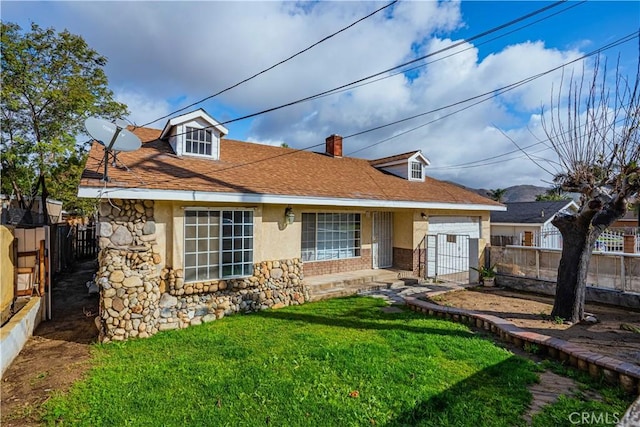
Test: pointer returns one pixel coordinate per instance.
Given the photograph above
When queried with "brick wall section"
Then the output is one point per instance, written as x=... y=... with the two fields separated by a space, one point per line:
x=407 y=259
x=316 y=268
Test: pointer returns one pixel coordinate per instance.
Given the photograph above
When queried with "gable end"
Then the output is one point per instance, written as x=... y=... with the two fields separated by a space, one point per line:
x=194 y=134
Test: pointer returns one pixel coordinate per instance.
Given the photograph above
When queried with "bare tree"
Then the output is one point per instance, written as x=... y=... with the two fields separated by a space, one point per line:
x=593 y=127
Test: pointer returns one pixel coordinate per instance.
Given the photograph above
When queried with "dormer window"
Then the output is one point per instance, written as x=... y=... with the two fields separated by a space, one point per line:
x=194 y=134
x=410 y=166
x=198 y=141
x=416 y=171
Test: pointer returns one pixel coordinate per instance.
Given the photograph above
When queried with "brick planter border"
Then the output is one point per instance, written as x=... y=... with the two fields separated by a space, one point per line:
x=614 y=371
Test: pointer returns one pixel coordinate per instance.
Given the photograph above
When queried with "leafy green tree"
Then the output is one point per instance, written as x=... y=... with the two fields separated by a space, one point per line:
x=554 y=194
x=65 y=181
x=51 y=82
x=497 y=194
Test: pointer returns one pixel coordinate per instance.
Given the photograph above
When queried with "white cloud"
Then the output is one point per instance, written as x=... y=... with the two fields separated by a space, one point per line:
x=161 y=52
x=142 y=108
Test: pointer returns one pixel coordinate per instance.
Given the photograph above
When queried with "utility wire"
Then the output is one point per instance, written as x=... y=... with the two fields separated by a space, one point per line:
x=489 y=95
x=274 y=65
x=491 y=159
x=454 y=53
x=522 y=150
x=504 y=89
x=454 y=45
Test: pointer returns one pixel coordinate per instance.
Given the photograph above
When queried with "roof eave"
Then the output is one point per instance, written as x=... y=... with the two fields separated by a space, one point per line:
x=219 y=197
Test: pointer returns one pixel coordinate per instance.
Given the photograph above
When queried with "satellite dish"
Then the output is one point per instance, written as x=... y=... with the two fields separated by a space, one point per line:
x=113 y=137
x=121 y=123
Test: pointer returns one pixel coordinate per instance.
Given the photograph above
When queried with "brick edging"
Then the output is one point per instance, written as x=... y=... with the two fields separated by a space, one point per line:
x=614 y=371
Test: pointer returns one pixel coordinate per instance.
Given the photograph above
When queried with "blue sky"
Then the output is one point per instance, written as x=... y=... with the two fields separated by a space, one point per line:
x=164 y=55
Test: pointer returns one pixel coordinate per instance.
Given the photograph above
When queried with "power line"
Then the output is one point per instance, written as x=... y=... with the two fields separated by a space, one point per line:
x=274 y=65
x=489 y=95
x=454 y=53
x=492 y=159
x=311 y=97
x=504 y=89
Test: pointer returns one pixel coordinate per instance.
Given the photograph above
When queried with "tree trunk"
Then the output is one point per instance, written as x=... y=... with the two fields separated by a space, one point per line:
x=579 y=234
x=574 y=265
x=45 y=196
x=572 y=280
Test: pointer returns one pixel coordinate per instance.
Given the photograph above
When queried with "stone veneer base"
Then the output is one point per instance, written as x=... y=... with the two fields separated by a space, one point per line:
x=138 y=298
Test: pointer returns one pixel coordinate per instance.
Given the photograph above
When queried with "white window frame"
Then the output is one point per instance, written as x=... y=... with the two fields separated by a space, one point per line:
x=334 y=247
x=416 y=168
x=224 y=246
x=189 y=131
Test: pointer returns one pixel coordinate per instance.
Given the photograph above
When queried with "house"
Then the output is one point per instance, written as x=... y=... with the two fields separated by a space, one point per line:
x=194 y=225
x=529 y=223
x=630 y=220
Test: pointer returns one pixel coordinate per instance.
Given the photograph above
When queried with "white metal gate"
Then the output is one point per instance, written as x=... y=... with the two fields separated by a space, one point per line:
x=382 y=245
x=447 y=257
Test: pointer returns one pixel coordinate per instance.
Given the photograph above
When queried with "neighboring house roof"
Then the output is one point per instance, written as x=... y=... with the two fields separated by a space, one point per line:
x=255 y=173
x=530 y=212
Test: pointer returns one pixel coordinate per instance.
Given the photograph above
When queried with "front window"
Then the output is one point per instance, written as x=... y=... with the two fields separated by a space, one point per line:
x=328 y=236
x=218 y=244
x=198 y=141
x=416 y=170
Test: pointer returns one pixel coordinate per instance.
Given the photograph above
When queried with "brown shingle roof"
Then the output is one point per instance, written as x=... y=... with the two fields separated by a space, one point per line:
x=261 y=169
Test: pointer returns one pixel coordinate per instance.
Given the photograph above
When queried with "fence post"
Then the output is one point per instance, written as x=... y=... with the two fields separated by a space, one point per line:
x=474 y=260
x=537 y=263
x=14 y=260
x=41 y=268
x=629 y=245
x=623 y=273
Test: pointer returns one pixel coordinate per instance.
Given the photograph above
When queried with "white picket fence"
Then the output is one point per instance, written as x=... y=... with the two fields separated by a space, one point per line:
x=611 y=241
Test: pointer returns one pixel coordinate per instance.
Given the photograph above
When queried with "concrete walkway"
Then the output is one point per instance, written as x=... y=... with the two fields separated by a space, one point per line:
x=391 y=284
x=397 y=292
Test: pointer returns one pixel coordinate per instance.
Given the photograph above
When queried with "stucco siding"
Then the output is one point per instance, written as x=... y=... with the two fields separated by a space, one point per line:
x=277 y=240
x=403 y=234
x=274 y=240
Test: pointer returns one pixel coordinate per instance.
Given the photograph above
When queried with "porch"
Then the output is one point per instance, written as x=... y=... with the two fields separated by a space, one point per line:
x=401 y=282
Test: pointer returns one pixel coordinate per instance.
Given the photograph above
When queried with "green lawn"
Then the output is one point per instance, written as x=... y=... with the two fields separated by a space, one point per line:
x=342 y=362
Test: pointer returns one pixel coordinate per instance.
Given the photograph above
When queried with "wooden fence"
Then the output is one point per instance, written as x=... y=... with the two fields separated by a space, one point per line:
x=36 y=254
x=86 y=245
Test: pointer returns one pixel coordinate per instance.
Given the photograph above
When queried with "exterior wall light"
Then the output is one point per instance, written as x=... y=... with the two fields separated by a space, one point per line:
x=289 y=216
x=423 y=215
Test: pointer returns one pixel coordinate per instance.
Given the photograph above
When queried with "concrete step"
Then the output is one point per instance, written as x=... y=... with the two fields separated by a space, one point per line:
x=351 y=287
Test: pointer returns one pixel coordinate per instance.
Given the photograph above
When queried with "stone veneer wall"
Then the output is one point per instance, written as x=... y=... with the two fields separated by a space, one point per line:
x=138 y=298
x=127 y=274
x=274 y=284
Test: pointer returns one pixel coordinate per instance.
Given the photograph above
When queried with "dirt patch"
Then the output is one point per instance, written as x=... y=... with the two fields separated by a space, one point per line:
x=531 y=312
x=57 y=355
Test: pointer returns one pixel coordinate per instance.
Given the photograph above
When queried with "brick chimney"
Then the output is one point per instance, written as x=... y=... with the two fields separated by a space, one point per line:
x=334 y=146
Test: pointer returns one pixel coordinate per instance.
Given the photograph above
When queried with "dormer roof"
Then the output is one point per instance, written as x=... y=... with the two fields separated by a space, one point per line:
x=192 y=116
x=399 y=159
